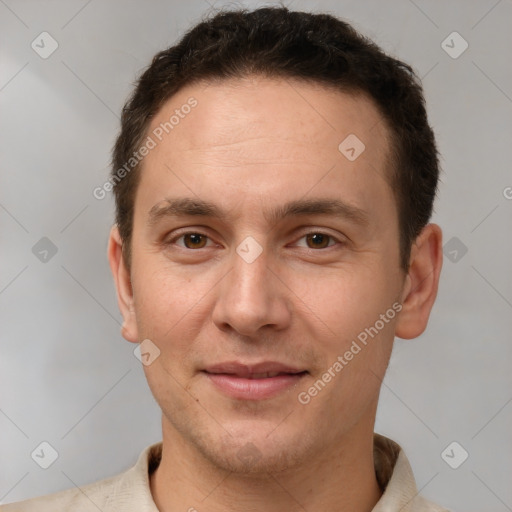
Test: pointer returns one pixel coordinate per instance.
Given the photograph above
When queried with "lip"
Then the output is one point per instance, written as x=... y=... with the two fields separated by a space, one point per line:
x=248 y=381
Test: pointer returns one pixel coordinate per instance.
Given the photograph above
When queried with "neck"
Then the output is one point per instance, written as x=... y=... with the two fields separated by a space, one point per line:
x=343 y=480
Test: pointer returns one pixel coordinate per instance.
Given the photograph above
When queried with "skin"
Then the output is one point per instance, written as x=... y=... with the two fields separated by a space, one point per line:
x=249 y=146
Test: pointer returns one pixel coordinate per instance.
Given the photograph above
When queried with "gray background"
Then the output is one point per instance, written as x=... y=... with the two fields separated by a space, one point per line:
x=67 y=376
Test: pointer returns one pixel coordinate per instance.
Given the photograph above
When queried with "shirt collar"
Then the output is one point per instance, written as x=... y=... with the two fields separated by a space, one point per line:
x=392 y=469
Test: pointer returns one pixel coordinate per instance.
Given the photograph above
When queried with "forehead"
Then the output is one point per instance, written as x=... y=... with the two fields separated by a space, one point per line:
x=264 y=137
x=278 y=109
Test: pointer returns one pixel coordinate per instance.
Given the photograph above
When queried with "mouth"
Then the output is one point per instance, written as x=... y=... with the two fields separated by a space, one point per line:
x=253 y=382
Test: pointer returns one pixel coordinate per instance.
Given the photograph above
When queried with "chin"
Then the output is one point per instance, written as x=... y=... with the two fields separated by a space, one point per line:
x=249 y=460
x=246 y=440
x=252 y=454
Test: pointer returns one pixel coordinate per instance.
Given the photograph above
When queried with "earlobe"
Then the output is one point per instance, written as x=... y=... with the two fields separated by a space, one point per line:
x=421 y=283
x=123 y=285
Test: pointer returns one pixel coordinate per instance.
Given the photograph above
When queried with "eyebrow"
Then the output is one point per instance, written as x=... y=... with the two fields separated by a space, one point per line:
x=186 y=206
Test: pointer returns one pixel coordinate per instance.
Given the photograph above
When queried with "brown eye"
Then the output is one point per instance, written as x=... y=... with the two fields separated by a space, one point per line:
x=194 y=240
x=318 y=240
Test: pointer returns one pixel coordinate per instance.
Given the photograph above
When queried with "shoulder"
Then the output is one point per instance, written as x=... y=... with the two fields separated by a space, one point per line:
x=396 y=479
x=85 y=499
x=423 y=505
x=403 y=488
x=126 y=491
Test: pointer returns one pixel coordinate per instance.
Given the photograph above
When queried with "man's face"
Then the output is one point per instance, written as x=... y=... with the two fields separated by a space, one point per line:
x=252 y=287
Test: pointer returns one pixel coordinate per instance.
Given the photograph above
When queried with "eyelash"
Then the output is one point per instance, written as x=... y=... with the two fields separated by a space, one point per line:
x=173 y=240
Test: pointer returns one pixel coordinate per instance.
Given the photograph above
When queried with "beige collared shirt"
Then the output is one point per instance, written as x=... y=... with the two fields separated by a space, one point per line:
x=130 y=491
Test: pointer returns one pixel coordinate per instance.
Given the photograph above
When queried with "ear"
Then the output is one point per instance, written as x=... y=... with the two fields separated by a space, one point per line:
x=123 y=285
x=421 y=283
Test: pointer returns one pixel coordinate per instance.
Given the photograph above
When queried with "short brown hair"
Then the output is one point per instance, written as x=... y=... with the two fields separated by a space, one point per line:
x=277 y=42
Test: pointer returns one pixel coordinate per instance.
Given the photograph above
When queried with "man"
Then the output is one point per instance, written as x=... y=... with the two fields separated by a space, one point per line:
x=274 y=179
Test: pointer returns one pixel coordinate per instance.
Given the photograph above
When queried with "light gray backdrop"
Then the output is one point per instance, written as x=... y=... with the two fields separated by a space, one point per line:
x=66 y=375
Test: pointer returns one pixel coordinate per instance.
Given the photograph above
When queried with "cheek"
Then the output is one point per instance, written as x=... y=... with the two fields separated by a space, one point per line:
x=156 y=306
x=345 y=301
x=355 y=340
x=357 y=309
x=171 y=308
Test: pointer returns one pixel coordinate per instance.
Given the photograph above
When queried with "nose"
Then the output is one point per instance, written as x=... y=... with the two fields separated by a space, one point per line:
x=252 y=296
